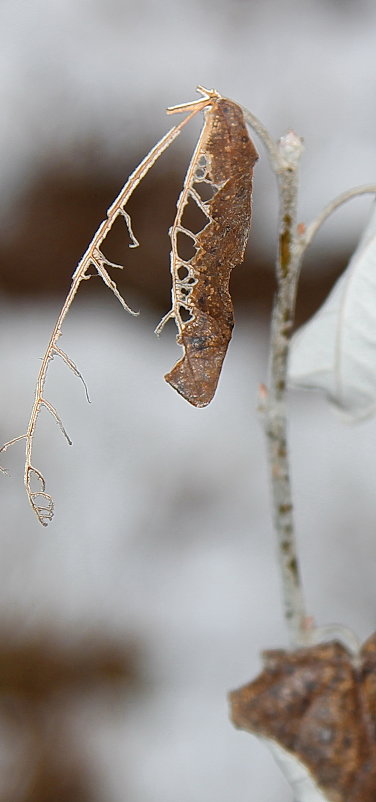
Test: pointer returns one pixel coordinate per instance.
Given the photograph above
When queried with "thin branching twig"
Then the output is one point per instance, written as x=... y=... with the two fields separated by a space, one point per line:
x=40 y=500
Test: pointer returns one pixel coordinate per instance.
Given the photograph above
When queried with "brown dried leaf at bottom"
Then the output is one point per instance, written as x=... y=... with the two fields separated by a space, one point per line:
x=319 y=703
x=230 y=156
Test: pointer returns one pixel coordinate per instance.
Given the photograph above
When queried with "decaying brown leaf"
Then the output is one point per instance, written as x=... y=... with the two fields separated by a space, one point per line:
x=319 y=704
x=222 y=166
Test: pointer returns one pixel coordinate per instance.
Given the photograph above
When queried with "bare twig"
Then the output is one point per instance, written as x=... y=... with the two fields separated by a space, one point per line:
x=312 y=229
x=69 y=362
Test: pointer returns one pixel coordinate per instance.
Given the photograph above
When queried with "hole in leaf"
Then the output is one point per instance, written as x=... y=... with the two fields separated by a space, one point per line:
x=185 y=314
x=194 y=219
x=186 y=246
x=201 y=168
x=206 y=190
x=183 y=272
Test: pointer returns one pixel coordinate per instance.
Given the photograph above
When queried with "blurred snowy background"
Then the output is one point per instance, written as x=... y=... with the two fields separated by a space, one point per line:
x=155 y=588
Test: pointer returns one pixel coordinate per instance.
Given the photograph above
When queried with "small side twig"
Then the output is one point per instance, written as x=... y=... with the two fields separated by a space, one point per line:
x=312 y=229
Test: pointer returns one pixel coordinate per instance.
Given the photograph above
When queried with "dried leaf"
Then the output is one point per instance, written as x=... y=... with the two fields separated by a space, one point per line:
x=336 y=350
x=319 y=704
x=223 y=165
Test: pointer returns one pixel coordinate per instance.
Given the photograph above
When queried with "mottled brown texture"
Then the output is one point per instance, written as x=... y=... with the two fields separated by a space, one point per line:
x=320 y=704
x=230 y=157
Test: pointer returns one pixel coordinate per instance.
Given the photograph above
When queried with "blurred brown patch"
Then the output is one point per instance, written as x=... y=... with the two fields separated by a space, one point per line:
x=39 y=669
x=40 y=683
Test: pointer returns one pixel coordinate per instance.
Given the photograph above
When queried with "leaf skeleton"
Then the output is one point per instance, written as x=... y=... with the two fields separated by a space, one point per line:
x=223 y=159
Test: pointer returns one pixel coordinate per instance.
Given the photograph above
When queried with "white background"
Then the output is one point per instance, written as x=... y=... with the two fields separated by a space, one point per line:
x=162 y=524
